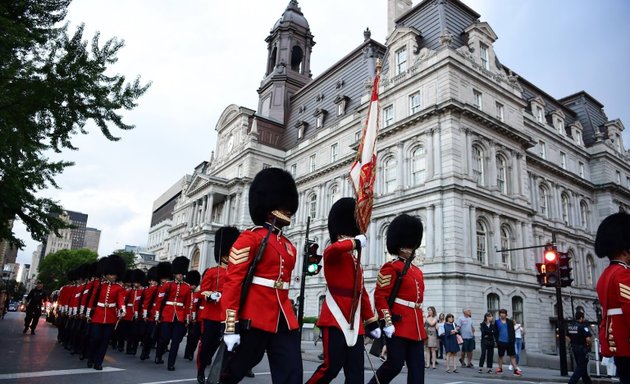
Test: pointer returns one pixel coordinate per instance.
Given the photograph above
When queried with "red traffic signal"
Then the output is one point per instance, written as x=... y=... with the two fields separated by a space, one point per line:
x=551 y=253
x=565 y=269
x=551 y=276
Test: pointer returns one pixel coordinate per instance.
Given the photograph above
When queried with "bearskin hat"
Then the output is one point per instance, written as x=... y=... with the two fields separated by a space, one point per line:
x=224 y=238
x=613 y=235
x=405 y=231
x=341 y=221
x=164 y=270
x=180 y=265
x=100 y=266
x=152 y=274
x=139 y=276
x=115 y=265
x=193 y=277
x=128 y=277
x=91 y=270
x=272 y=189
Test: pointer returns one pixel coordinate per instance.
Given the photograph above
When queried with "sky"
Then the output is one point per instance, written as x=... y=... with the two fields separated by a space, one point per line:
x=203 y=55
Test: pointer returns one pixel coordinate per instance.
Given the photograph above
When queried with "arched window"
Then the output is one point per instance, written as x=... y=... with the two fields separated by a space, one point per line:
x=506 y=243
x=564 y=200
x=194 y=260
x=389 y=175
x=584 y=219
x=312 y=206
x=383 y=243
x=590 y=270
x=543 y=203
x=333 y=195
x=418 y=165
x=502 y=174
x=478 y=165
x=494 y=303
x=296 y=59
x=482 y=242
x=517 y=309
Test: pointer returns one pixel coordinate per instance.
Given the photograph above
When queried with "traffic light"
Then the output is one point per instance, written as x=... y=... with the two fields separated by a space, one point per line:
x=542 y=274
x=313 y=259
x=564 y=267
x=551 y=265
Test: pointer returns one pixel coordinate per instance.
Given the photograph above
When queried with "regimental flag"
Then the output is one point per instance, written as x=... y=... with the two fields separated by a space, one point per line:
x=363 y=171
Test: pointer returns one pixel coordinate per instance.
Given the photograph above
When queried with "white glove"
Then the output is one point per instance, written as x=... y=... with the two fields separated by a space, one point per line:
x=215 y=296
x=376 y=333
x=362 y=239
x=389 y=331
x=231 y=341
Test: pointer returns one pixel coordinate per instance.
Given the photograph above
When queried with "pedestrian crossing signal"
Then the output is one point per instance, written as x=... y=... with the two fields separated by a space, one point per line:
x=313 y=267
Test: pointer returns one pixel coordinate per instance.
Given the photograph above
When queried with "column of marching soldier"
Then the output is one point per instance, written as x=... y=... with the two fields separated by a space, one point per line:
x=242 y=305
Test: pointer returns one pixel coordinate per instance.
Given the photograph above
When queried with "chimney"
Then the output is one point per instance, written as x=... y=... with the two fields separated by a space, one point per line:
x=395 y=8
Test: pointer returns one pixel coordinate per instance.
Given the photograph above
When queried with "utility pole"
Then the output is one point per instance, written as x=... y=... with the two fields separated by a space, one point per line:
x=562 y=343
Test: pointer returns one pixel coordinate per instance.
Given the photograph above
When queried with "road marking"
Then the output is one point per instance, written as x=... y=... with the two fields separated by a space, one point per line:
x=195 y=379
x=25 y=375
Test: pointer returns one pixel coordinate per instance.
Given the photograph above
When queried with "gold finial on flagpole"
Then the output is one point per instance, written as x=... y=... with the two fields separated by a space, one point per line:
x=379 y=65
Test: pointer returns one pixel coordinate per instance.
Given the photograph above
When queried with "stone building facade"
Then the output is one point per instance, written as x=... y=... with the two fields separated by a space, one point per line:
x=487 y=160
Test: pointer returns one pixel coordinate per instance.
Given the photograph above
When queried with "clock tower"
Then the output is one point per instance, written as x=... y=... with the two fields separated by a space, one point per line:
x=289 y=46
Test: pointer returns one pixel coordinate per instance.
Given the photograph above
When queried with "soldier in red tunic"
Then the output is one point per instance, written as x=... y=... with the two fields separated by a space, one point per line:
x=174 y=304
x=107 y=307
x=148 y=307
x=134 y=298
x=265 y=317
x=613 y=289
x=194 y=327
x=210 y=312
x=343 y=343
x=404 y=321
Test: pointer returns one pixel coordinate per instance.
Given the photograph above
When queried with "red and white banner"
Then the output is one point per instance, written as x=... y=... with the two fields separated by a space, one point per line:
x=363 y=171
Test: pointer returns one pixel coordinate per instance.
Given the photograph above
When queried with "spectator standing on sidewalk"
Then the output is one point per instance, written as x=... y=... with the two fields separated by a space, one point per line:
x=440 y=328
x=467 y=331
x=488 y=335
x=450 y=343
x=431 y=344
x=519 y=332
x=505 y=341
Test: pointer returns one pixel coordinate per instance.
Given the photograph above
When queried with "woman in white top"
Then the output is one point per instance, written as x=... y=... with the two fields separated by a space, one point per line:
x=440 y=329
x=519 y=332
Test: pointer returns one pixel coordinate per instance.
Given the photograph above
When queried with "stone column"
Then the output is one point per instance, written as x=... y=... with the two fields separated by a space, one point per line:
x=473 y=232
x=492 y=166
x=430 y=232
x=429 y=153
x=400 y=155
x=495 y=239
x=467 y=251
x=209 y=207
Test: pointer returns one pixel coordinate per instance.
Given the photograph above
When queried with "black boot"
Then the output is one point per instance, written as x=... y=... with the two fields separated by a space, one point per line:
x=201 y=377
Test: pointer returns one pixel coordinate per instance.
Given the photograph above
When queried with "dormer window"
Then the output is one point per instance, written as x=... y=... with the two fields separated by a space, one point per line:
x=483 y=53
x=537 y=105
x=401 y=60
x=560 y=126
x=301 y=128
x=540 y=115
x=477 y=99
x=342 y=102
x=320 y=115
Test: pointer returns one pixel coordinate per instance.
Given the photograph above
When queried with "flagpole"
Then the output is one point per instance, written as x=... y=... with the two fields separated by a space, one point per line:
x=364 y=182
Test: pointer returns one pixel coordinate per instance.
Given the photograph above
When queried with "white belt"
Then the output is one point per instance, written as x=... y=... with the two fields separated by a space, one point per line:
x=130 y=305
x=277 y=284
x=406 y=303
x=614 y=311
x=201 y=307
x=106 y=305
x=176 y=303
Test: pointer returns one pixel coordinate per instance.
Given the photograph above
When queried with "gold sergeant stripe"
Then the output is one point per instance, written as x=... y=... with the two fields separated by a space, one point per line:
x=624 y=291
x=238 y=256
x=383 y=280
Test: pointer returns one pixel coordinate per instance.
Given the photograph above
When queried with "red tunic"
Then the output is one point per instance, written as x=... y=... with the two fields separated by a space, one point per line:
x=73 y=303
x=411 y=323
x=111 y=299
x=196 y=304
x=87 y=291
x=212 y=281
x=613 y=289
x=64 y=298
x=264 y=304
x=339 y=271
x=177 y=298
x=149 y=301
x=132 y=302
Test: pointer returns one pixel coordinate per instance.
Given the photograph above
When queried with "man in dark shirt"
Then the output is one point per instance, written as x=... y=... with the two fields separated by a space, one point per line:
x=505 y=341
x=34 y=302
x=580 y=337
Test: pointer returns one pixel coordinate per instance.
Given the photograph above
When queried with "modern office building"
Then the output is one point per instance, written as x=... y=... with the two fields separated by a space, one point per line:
x=488 y=161
x=92 y=239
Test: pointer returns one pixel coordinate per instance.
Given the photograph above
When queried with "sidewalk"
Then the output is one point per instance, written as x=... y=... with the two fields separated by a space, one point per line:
x=310 y=352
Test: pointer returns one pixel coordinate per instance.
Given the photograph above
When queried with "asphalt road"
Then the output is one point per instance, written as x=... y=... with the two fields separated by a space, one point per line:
x=38 y=359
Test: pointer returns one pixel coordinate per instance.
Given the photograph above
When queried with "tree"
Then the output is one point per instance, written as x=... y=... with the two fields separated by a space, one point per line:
x=129 y=257
x=53 y=269
x=51 y=84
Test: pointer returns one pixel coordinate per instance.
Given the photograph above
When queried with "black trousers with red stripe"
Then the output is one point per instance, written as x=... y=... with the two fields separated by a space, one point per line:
x=399 y=352
x=337 y=355
x=210 y=339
